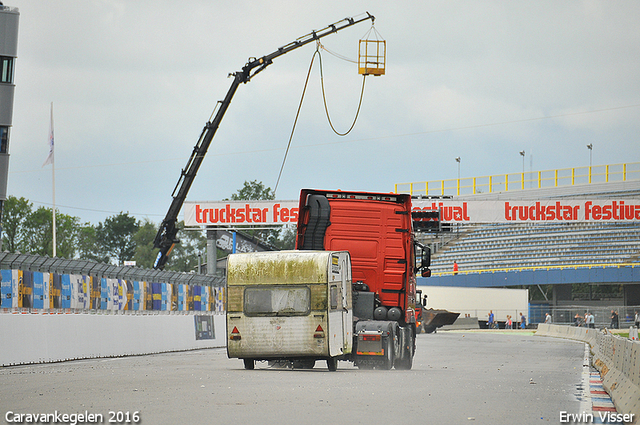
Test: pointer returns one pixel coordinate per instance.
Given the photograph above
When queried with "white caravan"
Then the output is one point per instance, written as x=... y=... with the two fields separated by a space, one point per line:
x=294 y=306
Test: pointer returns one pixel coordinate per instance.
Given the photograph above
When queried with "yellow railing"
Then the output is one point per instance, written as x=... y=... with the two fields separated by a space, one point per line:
x=522 y=181
x=516 y=269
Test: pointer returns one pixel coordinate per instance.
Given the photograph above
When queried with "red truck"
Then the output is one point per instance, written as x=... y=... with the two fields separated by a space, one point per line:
x=377 y=230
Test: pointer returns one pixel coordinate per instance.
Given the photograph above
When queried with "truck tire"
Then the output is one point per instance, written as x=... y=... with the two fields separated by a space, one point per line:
x=249 y=364
x=407 y=347
x=405 y=363
x=389 y=349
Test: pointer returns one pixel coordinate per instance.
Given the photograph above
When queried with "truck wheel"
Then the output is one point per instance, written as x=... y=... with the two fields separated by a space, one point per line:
x=332 y=364
x=249 y=364
x=387 y=362
x=407 y=347
x=405 y=363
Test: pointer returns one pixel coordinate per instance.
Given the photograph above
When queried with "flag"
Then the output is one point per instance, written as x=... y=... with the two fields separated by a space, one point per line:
x=49 y=159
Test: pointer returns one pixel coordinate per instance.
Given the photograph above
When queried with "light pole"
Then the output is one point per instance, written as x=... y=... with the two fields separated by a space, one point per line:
x=590 y=147
x=458 y=189
x=522 y=154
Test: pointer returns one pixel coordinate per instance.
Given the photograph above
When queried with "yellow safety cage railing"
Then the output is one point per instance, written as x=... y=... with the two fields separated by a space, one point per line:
x=372 y=54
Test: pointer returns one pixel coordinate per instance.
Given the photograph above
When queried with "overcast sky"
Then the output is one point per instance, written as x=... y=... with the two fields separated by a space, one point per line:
x=134 y=82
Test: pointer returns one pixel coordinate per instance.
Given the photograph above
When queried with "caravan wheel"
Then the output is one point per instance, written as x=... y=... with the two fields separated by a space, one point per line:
x=332 y=364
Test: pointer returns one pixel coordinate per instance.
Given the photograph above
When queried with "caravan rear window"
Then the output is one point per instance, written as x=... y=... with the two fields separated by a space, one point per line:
x=277 y=301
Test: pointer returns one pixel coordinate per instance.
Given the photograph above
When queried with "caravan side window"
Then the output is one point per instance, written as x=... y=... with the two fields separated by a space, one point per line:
x=277 y=301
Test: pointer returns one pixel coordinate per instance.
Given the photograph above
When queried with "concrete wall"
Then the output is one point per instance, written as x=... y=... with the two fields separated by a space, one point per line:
x=478 y=301
x=37 y=338
x=617 y=359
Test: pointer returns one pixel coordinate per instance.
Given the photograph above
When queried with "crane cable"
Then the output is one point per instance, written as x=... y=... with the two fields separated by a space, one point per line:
x=324 y=98
x=304 y=90
x=295 y=121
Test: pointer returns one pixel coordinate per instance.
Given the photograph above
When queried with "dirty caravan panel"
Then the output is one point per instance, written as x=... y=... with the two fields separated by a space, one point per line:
x=283 y=305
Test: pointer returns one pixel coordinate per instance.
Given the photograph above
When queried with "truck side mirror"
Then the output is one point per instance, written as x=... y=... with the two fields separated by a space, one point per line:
x=426 y=257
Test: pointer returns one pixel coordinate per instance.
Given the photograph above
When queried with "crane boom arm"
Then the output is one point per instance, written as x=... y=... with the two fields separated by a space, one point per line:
x=166 y=238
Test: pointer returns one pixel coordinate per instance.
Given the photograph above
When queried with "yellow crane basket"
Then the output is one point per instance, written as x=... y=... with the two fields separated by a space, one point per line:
x=372 y=55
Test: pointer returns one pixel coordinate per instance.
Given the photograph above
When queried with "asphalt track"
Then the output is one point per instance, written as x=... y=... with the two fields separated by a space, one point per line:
x=457 y=378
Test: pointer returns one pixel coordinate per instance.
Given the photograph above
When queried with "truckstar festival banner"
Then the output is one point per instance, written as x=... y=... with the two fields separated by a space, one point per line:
x=229 y=213
x=549 y=211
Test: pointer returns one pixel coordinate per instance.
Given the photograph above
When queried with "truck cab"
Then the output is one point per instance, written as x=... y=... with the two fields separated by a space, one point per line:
x=377 y=230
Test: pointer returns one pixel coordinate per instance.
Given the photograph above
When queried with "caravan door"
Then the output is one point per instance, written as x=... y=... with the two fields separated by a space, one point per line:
x=340 y=313
x=347 y=305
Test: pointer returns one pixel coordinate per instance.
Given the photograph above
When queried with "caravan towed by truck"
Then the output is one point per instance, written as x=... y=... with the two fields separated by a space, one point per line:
x=290 y=305
x=355 y=255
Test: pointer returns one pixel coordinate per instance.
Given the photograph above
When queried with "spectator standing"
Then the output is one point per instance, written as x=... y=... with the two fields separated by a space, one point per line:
x=491 y=322
x=637 y=320
x=547 y=319
x=523 y=321
x=455 y=267
x=614 y=319
x=590 y=320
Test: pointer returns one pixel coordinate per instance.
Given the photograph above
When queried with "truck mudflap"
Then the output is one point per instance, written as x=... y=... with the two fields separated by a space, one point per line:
x=376 y=344
x=433 y=319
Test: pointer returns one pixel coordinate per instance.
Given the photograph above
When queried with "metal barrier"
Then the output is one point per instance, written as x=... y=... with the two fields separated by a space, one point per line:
x=525 y=180
x=566 y=315
x=35 y=284
x=58 y=309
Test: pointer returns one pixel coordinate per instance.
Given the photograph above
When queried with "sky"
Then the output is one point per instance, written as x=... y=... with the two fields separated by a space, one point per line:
x=134 y=82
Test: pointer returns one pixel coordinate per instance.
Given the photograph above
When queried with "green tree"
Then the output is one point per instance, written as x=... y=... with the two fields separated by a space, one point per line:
x=66 y=235
x=253 y=190
x=88 y=246
x=38 y=233
x=116 y=234
x=145 y=252
x=285 y=239
x=15 y=211
x=256 y=191
x=184 y=257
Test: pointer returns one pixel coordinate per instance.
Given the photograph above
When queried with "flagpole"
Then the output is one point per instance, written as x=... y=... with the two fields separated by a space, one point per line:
x=51 y=160
x=53 y=183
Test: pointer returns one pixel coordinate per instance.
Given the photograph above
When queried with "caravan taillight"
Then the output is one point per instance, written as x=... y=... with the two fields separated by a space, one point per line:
x=235 y=334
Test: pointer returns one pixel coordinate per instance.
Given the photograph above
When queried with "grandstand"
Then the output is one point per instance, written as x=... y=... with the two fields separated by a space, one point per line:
x=538 y=245
x=585 y=265
x=492 y=246
x=502 y=246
